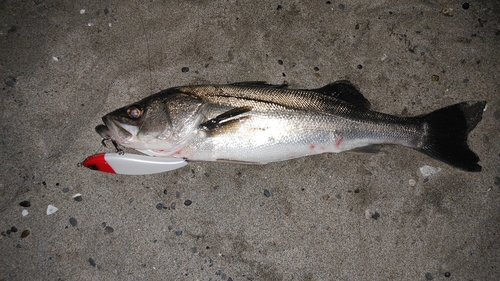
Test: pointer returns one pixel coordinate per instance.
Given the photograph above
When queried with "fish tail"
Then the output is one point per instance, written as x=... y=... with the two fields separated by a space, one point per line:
x=445 y=134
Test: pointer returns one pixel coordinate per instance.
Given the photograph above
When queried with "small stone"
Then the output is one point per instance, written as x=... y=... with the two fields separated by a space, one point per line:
x=356 y=190
x=4 y=234
x=109 y=229
x=359 y=66
x=188 y=202
x=8 y=232
x=13 y=229
x=465 y=6
x=267 y=193
x=106 y=11
x=159 y=206
x=338 y=196
x=24 y=213
x=496 y=181
x=92 y=262
x=78 y=197
x=316 y=68
x=447 y=274
x=25 y=204
x=279 y=8
x=435 y=78
x=341 y=7
x=428 y=276
x=280 y=62
x=165 y=191
x=10 y=81
x=328 y=2
x=172 y=206
x=465 y=80
x=73 y=221
x=376 y=215
x=178 y=233
x=19 y=246
x=65 y=190
x=412 y=182
x=185 y=69
x=25 y=233
x=51 y=209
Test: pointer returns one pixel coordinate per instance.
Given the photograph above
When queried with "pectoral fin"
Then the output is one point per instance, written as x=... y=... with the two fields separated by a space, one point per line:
x=226 y=119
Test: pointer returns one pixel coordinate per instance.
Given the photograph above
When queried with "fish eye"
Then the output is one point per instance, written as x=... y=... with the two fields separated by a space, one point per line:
x=134 y=111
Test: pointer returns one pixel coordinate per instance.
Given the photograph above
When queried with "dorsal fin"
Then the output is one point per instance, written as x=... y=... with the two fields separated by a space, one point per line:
x=260 y=84
x=344 y=90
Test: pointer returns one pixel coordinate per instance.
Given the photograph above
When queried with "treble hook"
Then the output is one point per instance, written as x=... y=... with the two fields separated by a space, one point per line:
x=118 y=150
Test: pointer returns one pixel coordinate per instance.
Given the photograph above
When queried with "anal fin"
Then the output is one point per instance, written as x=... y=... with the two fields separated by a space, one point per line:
x=369 y=149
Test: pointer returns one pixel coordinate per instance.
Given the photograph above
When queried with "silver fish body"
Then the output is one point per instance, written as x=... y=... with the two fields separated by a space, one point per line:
x=253 y=122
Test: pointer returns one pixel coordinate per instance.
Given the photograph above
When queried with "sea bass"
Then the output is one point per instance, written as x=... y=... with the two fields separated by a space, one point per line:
x=258 y=123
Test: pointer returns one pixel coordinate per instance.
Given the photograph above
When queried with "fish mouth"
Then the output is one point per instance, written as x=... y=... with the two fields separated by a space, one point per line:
x=111 y=130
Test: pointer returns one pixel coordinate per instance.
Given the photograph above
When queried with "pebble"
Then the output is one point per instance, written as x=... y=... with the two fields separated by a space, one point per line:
x=325 y=197
x=316 y=68
x=267 y=193
x=25 y=204
x=178 y=233
x=188 y=202
x=465 y=6
x=73 y=221
x=435 y=78
x=280 y=62
x=428 y=276
x=109 y=229
x=13 y=229
x=159 y=206
x=341 y=7
x=185 y=69
x=24 y=213
x=51 y=209
x=447 y=274
x=92 y=262
x=65 y=190
x=10 y=81
x=77 y=197
x=359 y=66
x=25 y=233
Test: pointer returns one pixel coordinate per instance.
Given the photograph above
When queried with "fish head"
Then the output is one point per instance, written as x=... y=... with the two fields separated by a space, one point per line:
x=160 y=121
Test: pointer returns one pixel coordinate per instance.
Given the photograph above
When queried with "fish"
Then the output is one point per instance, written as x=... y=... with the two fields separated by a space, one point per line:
x=257 y=123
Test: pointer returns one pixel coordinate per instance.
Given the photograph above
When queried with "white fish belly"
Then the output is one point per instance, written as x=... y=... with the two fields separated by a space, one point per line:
x=262 y=140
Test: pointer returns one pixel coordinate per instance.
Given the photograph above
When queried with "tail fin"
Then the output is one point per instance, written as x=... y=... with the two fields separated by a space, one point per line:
x=446 y=134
